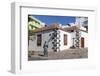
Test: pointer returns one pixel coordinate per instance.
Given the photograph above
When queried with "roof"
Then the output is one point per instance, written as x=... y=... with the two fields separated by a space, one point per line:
x=70 y=28
x=67 y=29
x=47 y=28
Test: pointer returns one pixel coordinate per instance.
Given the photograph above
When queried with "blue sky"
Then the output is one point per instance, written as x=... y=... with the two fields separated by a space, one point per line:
x=48 y=20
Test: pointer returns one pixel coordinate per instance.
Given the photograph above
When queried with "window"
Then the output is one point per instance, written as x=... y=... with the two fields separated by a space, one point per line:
x=65 y=39
x=39 y=39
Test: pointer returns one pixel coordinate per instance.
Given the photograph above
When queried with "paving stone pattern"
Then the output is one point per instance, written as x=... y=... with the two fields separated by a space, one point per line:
x=65 y=54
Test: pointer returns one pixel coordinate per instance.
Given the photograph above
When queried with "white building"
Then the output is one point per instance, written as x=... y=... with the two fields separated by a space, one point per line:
x=59 y=38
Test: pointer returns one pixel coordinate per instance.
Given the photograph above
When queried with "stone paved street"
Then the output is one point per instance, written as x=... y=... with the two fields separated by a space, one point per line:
x=66 y=54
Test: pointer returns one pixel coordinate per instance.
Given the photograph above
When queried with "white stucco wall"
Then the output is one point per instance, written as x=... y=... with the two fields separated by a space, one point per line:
x=69 y=40
x=82 y=34
x=85 y=36
x=73 y=35
x=32 y=43
x=45 y=37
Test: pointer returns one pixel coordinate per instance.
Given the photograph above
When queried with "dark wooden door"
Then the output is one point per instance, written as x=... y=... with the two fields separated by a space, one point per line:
x=82 y=42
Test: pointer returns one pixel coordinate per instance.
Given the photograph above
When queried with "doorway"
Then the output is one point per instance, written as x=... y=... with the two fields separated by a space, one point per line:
x=82 y=42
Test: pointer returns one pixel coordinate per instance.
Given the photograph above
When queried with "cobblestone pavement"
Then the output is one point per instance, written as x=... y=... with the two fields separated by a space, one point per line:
x=65 y=54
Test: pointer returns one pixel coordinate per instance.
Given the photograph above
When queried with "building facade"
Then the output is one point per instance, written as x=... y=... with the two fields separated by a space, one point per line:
x=58 y=38
x=34 y=23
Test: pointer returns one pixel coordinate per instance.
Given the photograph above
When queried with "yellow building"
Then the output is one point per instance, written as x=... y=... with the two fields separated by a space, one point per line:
x=34 y=23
